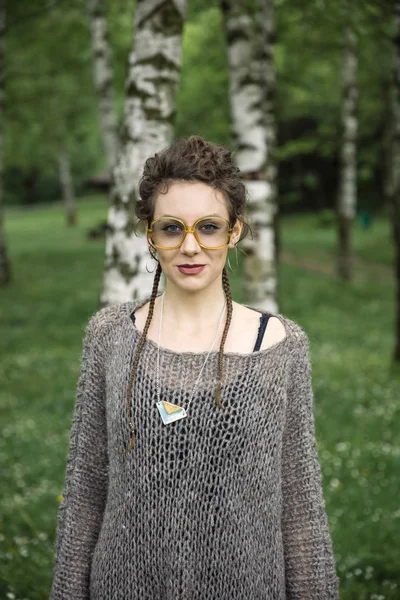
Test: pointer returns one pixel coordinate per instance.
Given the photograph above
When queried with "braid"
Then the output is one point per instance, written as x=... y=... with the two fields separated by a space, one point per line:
x=142 y=340
x=227 y=290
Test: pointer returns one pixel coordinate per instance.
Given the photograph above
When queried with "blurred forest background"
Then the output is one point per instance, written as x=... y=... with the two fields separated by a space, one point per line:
x=52 y=148
x=51 y=104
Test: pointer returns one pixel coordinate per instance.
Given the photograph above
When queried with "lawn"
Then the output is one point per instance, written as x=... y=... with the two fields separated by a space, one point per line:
x=57 y=275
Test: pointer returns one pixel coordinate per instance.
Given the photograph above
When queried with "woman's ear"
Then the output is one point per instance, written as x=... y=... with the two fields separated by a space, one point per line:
x=236 y=232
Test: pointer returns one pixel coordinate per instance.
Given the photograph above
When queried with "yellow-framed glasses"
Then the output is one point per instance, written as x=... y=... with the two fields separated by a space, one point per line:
x=168 y=233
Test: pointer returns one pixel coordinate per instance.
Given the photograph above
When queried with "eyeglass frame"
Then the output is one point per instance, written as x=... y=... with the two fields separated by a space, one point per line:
x=189 y=229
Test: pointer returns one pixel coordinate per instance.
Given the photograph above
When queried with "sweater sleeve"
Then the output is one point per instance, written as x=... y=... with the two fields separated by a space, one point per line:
x=309 y=560
x=81 y=510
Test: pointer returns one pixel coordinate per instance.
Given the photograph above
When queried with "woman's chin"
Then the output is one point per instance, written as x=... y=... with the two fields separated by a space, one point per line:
x=189 y=283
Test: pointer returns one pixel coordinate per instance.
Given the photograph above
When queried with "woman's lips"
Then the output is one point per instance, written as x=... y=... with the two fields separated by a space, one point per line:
x=192 y=270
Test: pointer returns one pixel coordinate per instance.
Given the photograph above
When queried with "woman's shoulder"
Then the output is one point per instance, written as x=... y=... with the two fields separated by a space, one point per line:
x=109 y=316
x=281 y=323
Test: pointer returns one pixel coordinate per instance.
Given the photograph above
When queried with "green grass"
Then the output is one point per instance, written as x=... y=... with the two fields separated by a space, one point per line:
x=372 y=244
x=57 y=275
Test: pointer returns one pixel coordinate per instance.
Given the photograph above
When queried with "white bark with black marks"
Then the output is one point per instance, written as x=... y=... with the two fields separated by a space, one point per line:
x=347 y=194
x=149 y=111
x=103 y=78
x=252 y=91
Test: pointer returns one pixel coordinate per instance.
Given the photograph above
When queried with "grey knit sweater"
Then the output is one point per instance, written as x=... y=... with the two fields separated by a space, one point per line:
x=222 y=505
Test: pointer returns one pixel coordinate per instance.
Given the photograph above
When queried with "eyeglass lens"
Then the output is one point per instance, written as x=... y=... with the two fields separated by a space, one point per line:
x=211 y=232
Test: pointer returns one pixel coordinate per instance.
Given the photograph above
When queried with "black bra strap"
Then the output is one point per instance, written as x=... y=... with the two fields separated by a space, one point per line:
x=261 y=330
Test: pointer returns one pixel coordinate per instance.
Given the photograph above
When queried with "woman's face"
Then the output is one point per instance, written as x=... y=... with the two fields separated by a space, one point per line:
x=190 y=201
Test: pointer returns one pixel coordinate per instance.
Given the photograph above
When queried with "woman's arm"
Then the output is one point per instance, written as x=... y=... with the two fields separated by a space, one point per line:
x=81 y=511
x=309 y=559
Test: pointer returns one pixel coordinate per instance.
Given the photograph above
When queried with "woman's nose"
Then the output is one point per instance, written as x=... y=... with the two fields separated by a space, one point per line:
x=190 y=245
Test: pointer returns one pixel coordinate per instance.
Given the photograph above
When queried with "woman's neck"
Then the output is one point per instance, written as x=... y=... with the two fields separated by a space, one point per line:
x=186 y=309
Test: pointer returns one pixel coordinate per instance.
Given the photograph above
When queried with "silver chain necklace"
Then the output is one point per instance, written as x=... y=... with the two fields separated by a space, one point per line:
x=172 y=412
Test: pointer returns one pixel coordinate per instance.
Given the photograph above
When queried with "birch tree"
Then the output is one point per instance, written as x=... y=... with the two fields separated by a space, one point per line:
x=103 y=78
x=249 y=34
x=395 y=166
x=347 y=191
x=67 y=186
x=5 y=273
x=149 y=111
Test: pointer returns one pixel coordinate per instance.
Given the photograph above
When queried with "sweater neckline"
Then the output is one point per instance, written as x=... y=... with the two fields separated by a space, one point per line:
x=133 y=305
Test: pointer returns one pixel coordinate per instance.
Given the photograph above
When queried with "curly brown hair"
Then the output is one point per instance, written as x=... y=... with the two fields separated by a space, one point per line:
x=193 y=159
x=189 y=159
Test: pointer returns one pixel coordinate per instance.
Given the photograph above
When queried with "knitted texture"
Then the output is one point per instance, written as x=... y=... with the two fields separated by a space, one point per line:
x=222 y=505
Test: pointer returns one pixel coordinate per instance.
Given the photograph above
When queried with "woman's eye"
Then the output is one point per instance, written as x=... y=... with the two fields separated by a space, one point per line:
x=209 y=227
x=172 y=228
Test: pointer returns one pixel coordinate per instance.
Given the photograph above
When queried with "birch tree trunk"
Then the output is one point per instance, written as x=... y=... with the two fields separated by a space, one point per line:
x=395 y=168
x=252 y=89
x=5 y=271
x=67 y=187
x=103 y=78
x=149 y=111
x=271 y=170
x=347 y=191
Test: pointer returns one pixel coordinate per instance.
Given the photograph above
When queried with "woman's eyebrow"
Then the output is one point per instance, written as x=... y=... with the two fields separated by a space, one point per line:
x=180 y=219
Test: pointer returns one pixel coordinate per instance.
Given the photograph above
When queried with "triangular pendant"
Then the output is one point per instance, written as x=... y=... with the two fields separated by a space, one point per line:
x=170 y=412
x=171 y=408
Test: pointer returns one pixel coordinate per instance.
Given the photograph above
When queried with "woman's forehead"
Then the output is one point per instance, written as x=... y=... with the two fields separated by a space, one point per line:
x=190 y=201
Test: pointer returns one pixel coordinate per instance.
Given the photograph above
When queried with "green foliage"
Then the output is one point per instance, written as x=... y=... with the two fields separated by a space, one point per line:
x=203 y=101
x=50 y=99
x=309 y=68
x=42 y=319
x=326 y=218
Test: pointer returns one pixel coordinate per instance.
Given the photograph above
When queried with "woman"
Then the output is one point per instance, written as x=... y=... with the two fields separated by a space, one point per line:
x=193 y=472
